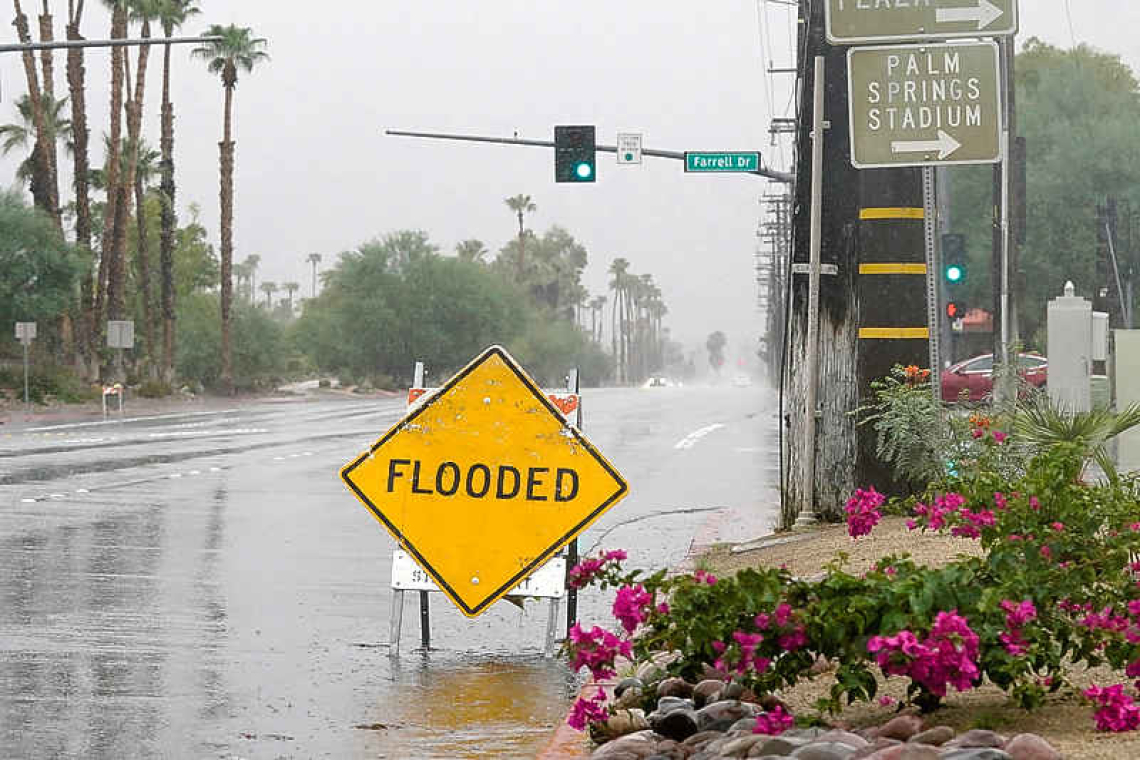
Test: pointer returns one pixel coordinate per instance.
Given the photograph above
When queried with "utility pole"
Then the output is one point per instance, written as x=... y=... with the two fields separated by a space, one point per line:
x=1005 y=252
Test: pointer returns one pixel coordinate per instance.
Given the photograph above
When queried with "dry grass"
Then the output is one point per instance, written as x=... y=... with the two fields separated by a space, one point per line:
x=1065 y=721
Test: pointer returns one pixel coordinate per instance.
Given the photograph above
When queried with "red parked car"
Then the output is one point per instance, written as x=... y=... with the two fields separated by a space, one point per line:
x=976 y=376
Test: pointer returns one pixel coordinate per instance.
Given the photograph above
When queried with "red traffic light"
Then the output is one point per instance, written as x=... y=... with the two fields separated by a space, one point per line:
x=954 y=310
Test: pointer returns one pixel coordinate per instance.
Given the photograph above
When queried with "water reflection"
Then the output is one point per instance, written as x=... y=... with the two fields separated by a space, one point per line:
x=486 y=708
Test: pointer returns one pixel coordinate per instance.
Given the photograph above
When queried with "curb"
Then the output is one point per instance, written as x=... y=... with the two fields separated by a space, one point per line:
x=568 y=743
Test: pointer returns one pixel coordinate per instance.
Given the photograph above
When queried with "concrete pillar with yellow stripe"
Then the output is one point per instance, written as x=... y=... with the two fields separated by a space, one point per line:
x=891 y=285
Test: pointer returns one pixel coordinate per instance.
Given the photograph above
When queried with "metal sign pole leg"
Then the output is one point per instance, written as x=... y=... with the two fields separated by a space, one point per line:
x=807 y=512
x=930 y=224
x=27 y=403
x=396 y=623
x=425 y=622
x=551 y=626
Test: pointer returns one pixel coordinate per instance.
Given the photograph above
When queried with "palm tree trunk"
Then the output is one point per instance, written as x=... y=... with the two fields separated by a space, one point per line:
x=131 y=183
x=48 y=199
x=166 y=240
x=47 y=62
x=144 y=273
x=107 y=264
x=76 y=82
x=226 y=196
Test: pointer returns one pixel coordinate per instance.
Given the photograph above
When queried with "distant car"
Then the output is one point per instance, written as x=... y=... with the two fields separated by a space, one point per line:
x=974 y=378
x=741 y=380
x=658 y=381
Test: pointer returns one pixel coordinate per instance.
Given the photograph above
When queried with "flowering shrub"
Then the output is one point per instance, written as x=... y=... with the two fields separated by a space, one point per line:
x=948 y=656
x=774 y=722
x=863 y=512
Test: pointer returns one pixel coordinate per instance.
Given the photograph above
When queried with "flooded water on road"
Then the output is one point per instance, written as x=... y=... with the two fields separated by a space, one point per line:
x=234 y=601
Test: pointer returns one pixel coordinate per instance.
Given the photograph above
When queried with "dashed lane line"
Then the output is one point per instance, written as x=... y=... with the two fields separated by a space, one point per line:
x=693 y=438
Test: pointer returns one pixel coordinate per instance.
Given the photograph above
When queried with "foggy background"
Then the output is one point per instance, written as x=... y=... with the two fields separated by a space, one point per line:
x=316 y=174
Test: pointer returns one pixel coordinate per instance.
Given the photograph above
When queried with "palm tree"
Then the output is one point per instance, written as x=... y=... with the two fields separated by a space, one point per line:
x=597 y=305
x=269 y=288
x=252 y=261
x=109 y=296
x=471 y=250
x=243 y=276
x=48 y=198
x=619 y=334
x=314 y=259
x=521 y=205
x=77 y=87
x=20 y=134
x=172 y=15
x=291 y=288
x=237 y=50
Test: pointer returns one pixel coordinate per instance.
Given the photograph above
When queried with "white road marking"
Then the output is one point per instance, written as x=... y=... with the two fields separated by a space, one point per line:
x=74 y=425
x=693 y=438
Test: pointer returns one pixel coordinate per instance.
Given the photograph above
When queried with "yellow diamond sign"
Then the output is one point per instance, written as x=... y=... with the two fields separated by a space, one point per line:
x=484 y=481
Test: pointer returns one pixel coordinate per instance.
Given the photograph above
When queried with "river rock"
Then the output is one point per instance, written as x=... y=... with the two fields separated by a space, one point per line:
x=668 y=704
x=699 y=740
x=732 y=690
x=820 y=750
x=740 y=746
x=725 y=710
x=706 y=691
x=977 y=737
x=671 y=750
x=975 y=753
x=810 y=734
x=629 y=698
x=782 y=745
x=1030 y=747
x=846 y=737
x=627 y=683
x=878 y=744
x=936 y=736
x=637 y=746
x=901 y=727
x=675 y=687
x=648 y=672
x=620 y=723
x=678 y=724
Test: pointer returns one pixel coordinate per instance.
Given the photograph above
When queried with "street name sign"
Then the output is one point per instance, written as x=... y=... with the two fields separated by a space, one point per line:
x=731 y=161
x=924 y=105
x=484 y=481
x=857 y=21
x=628 y=148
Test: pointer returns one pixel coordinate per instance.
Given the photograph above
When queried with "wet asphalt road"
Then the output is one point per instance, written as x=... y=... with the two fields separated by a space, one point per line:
x=204 y=586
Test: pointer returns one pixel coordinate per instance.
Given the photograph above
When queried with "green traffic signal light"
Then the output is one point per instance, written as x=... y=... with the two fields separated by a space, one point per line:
x=584 y=171
x=955 y=273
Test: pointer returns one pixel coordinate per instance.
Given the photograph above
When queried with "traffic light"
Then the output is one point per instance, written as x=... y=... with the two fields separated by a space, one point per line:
x=954 y=310
x=574 y=154
x=954 y=259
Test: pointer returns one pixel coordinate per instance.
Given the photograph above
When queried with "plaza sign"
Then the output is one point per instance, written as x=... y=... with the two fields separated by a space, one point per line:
x=858 y=21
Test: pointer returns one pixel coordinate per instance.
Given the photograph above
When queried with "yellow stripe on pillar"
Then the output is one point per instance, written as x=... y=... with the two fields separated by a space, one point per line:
x=892 y=268
x=892 y=213
x=894 y=333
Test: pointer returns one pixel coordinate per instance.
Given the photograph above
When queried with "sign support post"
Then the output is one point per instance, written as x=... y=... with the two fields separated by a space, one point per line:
x=930 y=224
x=572 y=386
x=807 y=514
x=425 y=606
x=27 y=403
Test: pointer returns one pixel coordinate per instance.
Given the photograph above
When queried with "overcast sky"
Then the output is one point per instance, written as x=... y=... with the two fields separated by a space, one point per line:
x=316 y=174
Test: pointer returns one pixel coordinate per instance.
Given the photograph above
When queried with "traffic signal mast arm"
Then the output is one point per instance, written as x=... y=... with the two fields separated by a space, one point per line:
x=673 y=154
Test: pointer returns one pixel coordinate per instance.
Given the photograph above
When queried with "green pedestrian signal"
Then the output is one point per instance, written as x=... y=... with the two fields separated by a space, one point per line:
x=574 y=153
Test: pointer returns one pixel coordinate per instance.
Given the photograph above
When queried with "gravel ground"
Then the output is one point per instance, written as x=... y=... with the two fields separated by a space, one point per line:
x=1065 y=721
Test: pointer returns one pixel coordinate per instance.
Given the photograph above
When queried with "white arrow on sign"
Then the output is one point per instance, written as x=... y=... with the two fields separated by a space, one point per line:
x=984 y=14
x=945 y=145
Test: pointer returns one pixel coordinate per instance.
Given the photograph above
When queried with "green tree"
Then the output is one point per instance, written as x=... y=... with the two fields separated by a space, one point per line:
x=1078 y=111
x=269 y=288
x=290 y=288
x=237 y=50
x=259 y=344
x=471 y=250
x=38 y=269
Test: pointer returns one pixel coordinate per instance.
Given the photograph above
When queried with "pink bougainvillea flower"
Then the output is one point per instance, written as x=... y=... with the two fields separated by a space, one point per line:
x=1117 y=711
x=586 y=711
x=773 y=722
x=1057 y=526
x=999 y=437
x=596 y=649
x=1034 y=504
x=631 y=606
x=887 y=701
x=863 y=512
